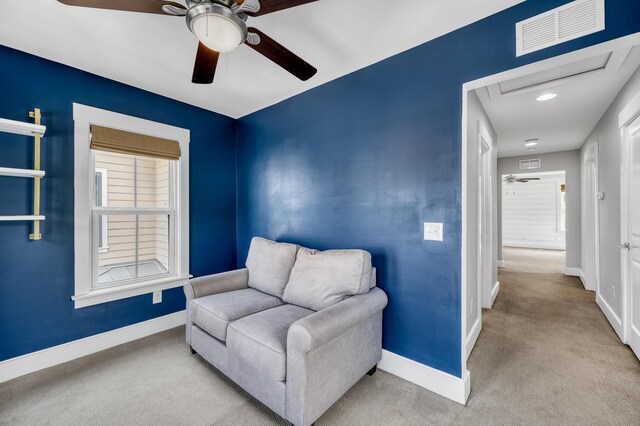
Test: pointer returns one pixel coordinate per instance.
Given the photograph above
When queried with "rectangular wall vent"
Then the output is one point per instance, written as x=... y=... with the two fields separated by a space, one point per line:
x=568 y=22
x=533 y=163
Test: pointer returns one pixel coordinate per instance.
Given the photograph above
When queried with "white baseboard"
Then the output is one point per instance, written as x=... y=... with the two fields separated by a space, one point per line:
x=576 y=272
x=494 y=292
x=573 y=272
x=455 y=388
x=613 y=319
x=500 y=263
x=472 y=337
x=534 y=245
x=29 y=363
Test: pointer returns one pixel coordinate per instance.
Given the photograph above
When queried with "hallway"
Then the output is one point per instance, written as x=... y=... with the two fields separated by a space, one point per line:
x=546 y=353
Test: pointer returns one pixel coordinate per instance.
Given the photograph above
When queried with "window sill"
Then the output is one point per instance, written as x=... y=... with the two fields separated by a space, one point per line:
x=95 y=297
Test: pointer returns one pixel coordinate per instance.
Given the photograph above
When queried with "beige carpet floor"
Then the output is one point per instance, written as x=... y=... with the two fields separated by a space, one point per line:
x=546 y=356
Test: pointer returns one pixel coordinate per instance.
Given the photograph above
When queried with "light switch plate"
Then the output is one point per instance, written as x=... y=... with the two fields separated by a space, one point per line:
x=433 y=231
x=157 y=297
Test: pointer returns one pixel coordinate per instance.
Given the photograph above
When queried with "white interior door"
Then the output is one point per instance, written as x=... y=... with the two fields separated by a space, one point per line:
x=633 y=238
x=485 y=221
x=590 y=243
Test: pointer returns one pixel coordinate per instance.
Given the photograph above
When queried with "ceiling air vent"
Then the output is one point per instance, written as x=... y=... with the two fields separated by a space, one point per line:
x=533 y=163
x=568 y=22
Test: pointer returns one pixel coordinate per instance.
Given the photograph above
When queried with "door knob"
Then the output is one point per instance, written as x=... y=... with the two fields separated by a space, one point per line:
x=625 y=246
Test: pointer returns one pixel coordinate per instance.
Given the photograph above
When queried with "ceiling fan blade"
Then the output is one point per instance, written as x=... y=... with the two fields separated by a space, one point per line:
x=279 y=54
x=205 y=68
x=144 y=6
x=270 y=6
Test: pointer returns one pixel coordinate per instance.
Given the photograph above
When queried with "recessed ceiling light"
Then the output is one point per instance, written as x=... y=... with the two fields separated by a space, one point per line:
x=531 y=142
x=546 y=97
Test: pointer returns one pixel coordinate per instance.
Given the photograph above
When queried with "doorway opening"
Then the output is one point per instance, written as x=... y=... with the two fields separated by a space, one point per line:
x=533 y=218
x=533 y=188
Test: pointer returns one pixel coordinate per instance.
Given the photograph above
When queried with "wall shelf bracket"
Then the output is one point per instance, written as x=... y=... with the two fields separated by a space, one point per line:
x=36 y=235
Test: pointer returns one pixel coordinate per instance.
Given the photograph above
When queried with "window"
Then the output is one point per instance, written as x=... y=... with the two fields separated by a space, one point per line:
x=131 y=214
x=139 y=218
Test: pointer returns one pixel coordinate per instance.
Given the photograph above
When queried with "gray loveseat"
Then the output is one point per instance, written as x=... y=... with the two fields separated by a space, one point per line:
x=296 y=328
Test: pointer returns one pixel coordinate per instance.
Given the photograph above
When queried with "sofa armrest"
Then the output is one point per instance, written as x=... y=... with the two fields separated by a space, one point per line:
x=213 y=284
x=313 y=331
x=217 y=283
x=329 y=351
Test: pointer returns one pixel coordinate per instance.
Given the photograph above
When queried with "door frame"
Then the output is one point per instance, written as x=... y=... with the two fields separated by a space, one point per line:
x=591 y=155
x=626 y=118
x=543 y=65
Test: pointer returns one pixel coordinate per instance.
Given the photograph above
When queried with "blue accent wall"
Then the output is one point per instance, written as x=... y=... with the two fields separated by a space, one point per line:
x=36 y=277
x=363 y=161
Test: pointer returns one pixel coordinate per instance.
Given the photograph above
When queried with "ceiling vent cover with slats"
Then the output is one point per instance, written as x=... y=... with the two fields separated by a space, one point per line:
x=568 y=22
x=533 y=163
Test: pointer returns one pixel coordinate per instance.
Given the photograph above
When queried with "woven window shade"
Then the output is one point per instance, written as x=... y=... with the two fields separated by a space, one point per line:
x=112 y=140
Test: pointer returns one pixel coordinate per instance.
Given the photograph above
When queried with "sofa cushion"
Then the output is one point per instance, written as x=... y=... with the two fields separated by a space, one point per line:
x=270 y=264
x=261 y=338
x=214 y=313
x=320 y=279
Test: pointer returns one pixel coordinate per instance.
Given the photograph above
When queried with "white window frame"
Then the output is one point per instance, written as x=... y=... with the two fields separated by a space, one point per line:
x=104 y=248
x=84 y=177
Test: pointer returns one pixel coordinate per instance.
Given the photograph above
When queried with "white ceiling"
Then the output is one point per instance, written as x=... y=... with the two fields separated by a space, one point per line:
x=585 y=91
x=157 y=53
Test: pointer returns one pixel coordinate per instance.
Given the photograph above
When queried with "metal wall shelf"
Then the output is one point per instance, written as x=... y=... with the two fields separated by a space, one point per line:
x=16 y=218
x=37 y=131
x=5 y=171
x=20 y=128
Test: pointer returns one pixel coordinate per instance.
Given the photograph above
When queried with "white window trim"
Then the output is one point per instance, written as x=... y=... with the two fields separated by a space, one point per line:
x=83 y=117
x=105 y=202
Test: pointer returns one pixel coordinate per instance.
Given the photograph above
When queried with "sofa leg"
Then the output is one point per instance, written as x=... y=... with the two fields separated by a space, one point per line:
x=193 y=351
x=373 y=370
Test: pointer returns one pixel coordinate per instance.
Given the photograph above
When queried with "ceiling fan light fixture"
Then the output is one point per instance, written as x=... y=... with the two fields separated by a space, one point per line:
x=217 y=27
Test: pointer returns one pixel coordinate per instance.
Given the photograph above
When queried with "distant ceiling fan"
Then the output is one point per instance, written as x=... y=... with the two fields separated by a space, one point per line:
x=513 y=179
x=220 y=26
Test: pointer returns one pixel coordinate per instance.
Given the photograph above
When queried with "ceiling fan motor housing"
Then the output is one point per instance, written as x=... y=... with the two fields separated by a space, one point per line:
x=221 y=11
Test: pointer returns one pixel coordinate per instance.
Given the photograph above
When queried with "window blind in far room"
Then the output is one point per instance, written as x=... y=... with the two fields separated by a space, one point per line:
x=112 y=140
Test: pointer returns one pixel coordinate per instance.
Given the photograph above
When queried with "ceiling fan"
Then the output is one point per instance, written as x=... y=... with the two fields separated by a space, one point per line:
x=220 y=26
x=513 y=179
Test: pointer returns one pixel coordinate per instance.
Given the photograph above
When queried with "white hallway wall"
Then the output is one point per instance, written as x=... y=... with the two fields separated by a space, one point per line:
x=476 y=115
x=556 y=161
x=607 y=134
x=531 y=213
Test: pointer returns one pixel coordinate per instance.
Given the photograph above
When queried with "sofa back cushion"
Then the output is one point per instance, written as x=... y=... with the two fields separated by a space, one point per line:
x=269 y=264
x=320 y=279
